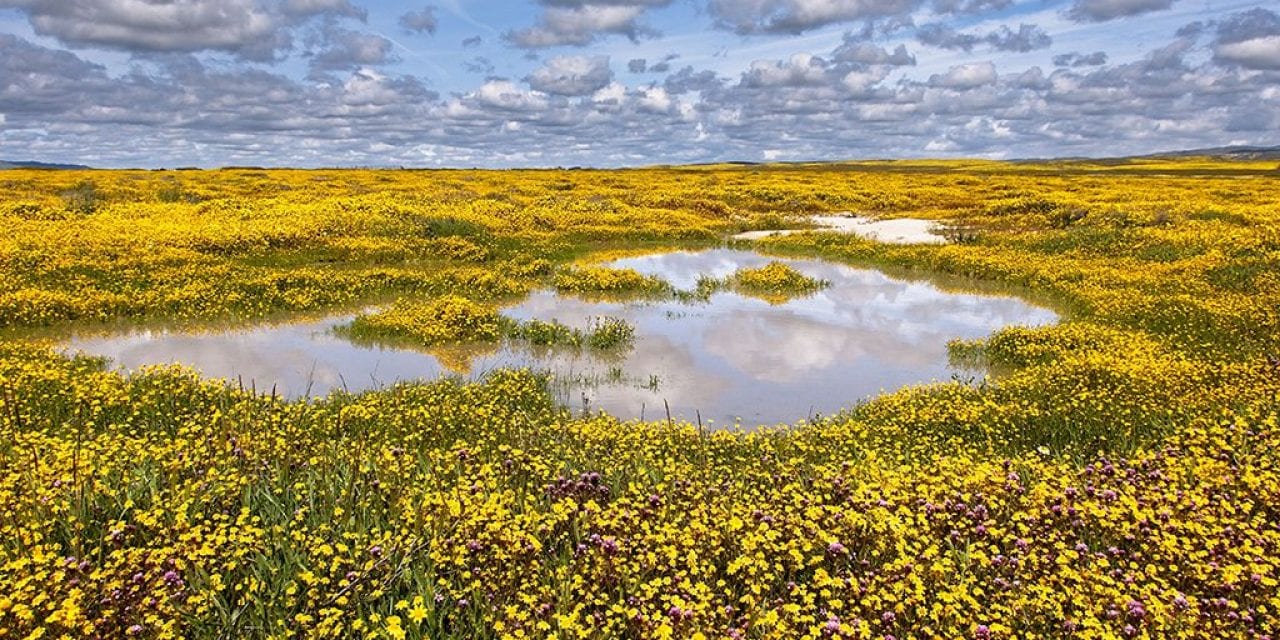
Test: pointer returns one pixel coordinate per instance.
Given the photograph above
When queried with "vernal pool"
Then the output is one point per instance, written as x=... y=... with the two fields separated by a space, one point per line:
x=731 y=358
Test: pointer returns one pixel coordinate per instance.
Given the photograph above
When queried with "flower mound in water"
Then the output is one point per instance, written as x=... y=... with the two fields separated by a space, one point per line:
x=775 y=282
x=609 y=281
x=440 y=321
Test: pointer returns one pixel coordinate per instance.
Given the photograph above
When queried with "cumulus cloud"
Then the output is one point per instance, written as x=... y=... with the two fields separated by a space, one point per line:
x=1028 y=37
x=506 y=95
x=688 y=80
x=1032 y=78
x=969 y=6
x=642 y=65
x=1103 y=10
x=480 y=65
x=367 y=87
x=182 y=98
x=1074 y=59
x=863 y=80
x=247 y=28
x=346 y=49
x=966 y=76
x=237 y=26
x=421 y=21
x=655 y=100
x=610 y=95
x=800 y=70
x=1253 y=120
x=37 y=80
x=1247 y=25
x=945 y=37
x=1255 y=53
x=306 y=8
x=572 y=75
x=1249 y=39
x=868 y=53
x=661 y=66
x=581 y=22
x=798 y=16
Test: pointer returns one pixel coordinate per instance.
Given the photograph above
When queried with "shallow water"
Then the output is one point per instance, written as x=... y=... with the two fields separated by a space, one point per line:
x=892 y=231
x=733 y=358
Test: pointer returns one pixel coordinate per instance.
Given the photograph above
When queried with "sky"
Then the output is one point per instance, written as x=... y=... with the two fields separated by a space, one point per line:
x=516 y=83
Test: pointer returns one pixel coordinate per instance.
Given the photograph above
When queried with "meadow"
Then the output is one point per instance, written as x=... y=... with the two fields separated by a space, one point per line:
x=1118 y=479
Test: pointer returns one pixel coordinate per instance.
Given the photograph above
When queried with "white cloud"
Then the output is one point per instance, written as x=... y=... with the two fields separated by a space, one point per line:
x=579 y=23
x=1249 y=39
x=613 y=93
x=868 y=53
x=345 y=49
x=797 y=16
x=1102 y=10
x=572 y=75
x=966 y=76
x=182 y=25
x=335 y=7
x=247 y=28
x=653 y=100
x=860 y=81
x=800 y=70
x=421 y=21
x=504 y=94
x=1255 y=53
x=369 y=87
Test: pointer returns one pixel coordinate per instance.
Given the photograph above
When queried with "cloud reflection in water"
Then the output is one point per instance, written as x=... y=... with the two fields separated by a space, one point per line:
x=732 y=358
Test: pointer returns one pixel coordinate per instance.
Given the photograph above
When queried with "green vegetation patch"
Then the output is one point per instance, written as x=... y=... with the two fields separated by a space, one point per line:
x=442 y=320
x=608 y=280
x=775 y=282
x=455 y=320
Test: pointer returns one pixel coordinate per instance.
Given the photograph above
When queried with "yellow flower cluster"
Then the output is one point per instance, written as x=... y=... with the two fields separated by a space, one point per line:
x=457 y=329
x=447 y=319
x=775 y=282
x=1118 y=479
x=604 y=280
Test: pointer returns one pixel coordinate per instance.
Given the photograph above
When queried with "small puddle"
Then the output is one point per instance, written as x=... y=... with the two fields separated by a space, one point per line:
x=892 y=231
x=731 y=359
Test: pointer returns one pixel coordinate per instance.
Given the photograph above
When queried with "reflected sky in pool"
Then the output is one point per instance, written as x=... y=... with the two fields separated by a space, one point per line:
x=733 y=358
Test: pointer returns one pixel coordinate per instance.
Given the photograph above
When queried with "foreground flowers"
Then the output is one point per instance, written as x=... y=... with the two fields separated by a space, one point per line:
x=168 y=506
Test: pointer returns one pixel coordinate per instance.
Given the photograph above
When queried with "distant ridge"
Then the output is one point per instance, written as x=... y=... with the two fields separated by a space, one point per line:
x=1236 y=152
x=31 y=164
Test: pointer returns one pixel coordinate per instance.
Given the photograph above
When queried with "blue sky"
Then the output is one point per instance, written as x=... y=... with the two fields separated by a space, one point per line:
x=628 y=82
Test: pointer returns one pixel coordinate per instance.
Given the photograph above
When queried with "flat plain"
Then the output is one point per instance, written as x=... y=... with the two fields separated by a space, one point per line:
x=1110 y=475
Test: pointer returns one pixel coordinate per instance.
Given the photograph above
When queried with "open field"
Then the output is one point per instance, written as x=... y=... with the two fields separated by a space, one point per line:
x=1118 y=479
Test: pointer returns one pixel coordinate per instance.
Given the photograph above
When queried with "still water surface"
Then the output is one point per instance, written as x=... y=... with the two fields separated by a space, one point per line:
x=731 y=359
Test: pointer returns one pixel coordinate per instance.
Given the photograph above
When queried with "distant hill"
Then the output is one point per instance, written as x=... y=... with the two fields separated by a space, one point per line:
x=31 y=164
x=1239 y=152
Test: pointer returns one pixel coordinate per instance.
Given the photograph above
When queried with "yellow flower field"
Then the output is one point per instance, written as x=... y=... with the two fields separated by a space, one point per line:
x=1120 y=478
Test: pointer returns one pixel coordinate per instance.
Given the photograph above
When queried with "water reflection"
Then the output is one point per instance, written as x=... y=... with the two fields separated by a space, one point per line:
x=731 y=358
